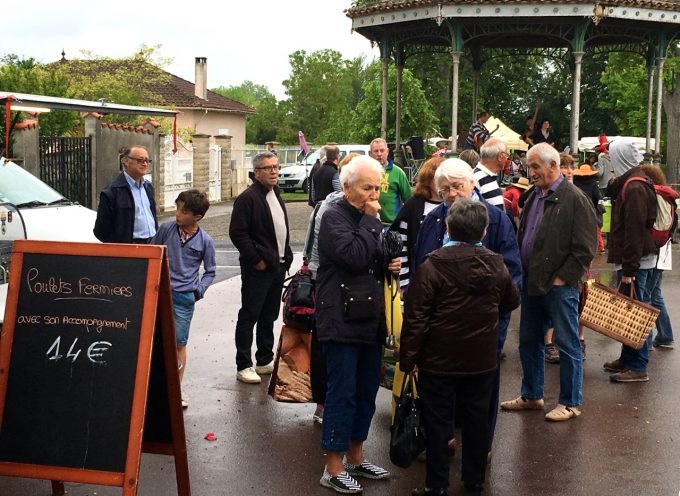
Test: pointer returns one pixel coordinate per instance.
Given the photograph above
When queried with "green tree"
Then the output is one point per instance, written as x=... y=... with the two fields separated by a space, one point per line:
x=263 y=125
x=19 y=75
x=321 y=87
x=626 y=80
x=418 y=118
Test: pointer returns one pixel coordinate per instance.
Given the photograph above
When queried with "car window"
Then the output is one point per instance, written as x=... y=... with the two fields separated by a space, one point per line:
x=18 y=186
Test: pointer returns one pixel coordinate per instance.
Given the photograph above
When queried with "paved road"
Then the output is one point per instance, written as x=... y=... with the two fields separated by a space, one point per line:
x=625 y=443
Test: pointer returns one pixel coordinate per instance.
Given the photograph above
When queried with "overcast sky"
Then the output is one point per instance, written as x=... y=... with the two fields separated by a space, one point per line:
x=243 y=40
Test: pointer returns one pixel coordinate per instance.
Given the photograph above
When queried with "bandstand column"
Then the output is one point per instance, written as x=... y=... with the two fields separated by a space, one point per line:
x=659 y=100
x=650 y=102
x=397 y=100
x=576 y=102
x=475 y=93
x=455 y=58
x=383 y=120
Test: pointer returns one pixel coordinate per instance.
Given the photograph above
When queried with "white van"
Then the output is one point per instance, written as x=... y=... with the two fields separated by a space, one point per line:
x=30 y=209
x=296 y=177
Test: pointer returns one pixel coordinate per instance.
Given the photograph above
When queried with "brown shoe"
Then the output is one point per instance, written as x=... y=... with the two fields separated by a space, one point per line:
x=629 y=376
x=522 y=403
x=614 y=366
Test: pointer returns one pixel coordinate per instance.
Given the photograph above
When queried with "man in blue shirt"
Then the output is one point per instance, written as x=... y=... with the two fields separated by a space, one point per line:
x=127 y=210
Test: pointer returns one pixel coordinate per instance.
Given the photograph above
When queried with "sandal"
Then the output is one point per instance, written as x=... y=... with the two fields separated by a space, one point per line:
x=562 y=412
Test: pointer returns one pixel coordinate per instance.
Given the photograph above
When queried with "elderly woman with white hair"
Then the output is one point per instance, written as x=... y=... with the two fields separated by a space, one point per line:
x=348 y=322
x=454 y=181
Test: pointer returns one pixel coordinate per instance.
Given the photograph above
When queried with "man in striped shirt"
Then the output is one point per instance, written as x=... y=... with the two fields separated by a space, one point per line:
x=478 y=133
x=493 y=155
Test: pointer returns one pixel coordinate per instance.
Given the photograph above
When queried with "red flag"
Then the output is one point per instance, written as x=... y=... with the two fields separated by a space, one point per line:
x=303 y=142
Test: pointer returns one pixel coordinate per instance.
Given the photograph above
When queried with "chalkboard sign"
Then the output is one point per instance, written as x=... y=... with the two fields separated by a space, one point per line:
x=75 y=353
x=76 y=362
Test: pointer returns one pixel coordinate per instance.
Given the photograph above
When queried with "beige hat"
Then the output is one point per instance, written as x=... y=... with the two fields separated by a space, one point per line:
x=522 y=183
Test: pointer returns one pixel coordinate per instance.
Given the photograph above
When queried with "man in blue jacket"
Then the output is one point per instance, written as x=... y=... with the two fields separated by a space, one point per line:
x=454 y=180
x=127 y=210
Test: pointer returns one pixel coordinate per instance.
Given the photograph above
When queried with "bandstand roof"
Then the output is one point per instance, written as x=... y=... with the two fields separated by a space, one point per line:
x=520 y=23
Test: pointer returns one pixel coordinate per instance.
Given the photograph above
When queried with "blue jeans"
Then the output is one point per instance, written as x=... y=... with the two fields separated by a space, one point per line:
x=633 y=359
x=664 y=329
x=353 y=381
x=183 y=303
x=560 y=306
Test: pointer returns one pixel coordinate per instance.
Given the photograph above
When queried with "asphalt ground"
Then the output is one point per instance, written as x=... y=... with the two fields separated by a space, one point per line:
x=626 y=442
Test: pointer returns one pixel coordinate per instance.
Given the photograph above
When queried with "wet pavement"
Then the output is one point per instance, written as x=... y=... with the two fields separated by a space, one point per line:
x=626 y=442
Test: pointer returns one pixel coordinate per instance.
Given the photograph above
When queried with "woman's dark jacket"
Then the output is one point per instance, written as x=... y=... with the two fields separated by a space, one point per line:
x=251 y=228
x=451 y=321
x=565 y=242
x=500 y=238
x=350 y=255
x=116 y=211
x=629 y=239
x=590 y=187
x=539 y=138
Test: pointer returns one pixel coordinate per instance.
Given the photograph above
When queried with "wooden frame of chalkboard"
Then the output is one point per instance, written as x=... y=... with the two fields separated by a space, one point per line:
x=88 y=374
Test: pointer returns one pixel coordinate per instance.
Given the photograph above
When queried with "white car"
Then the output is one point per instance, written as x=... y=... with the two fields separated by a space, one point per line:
x=30 y=209
x=295 y=177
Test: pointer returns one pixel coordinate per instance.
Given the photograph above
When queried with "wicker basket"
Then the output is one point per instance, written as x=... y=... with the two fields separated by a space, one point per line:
x=618 y=316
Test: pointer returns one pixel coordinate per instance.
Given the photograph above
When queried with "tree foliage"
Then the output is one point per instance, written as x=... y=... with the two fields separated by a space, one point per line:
x=263 y=125
x=321 y=84
x=417 y=116
x=19 y=75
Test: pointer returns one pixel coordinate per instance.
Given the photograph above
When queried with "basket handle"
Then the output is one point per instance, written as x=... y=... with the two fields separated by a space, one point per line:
x=631 y=293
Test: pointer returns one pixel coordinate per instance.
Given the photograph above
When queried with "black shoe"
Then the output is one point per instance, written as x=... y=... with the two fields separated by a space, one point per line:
x=442 y=491
x=474 y=487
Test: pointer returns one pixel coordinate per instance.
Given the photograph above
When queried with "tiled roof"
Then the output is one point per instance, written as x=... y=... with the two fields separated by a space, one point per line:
x=122 y=127
x=166 y=89
x=26 y=124
x=391 y=5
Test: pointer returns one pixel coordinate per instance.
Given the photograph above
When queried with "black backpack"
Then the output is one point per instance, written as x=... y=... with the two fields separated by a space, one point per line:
x=298 y=300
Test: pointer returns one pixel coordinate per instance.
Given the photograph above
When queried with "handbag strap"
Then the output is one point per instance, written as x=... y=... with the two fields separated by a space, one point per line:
x=631 y=293
x=409 y=381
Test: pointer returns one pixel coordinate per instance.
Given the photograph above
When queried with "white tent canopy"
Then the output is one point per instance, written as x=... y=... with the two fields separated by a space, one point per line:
x=502 y=131
x=589 y=144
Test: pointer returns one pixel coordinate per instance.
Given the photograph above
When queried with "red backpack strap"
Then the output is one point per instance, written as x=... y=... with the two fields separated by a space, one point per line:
x=631 y=179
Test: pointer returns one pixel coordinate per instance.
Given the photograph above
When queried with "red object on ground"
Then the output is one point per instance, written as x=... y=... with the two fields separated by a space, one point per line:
x=210 y=436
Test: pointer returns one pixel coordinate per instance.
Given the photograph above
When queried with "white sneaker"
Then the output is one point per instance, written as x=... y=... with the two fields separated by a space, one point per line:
x=249 y=376
x=185 y=403
x=265 y=369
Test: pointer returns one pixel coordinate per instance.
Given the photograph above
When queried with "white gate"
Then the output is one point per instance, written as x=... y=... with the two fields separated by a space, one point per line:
x=179 y=171
x=215 y=174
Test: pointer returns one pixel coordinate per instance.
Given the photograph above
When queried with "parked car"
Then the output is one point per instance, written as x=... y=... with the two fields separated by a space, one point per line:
x=296 y=177
x=30 y=209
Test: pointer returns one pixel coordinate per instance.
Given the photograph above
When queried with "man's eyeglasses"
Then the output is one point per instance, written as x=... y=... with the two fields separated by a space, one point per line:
x=268 y=168
x=140 y=160
x=451 y=187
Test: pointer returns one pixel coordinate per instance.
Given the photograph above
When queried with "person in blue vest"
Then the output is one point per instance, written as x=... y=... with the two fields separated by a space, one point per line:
x=454 y=180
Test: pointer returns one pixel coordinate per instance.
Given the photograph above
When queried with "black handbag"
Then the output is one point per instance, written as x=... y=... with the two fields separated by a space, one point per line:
x=407 y=438
x=359 y=300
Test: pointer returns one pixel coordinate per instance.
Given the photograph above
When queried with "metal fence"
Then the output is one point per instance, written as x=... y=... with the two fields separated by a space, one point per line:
x=66 y=164
x=242 y=157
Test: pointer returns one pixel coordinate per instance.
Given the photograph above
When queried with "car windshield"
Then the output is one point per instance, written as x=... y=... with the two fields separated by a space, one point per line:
x=20 y=187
